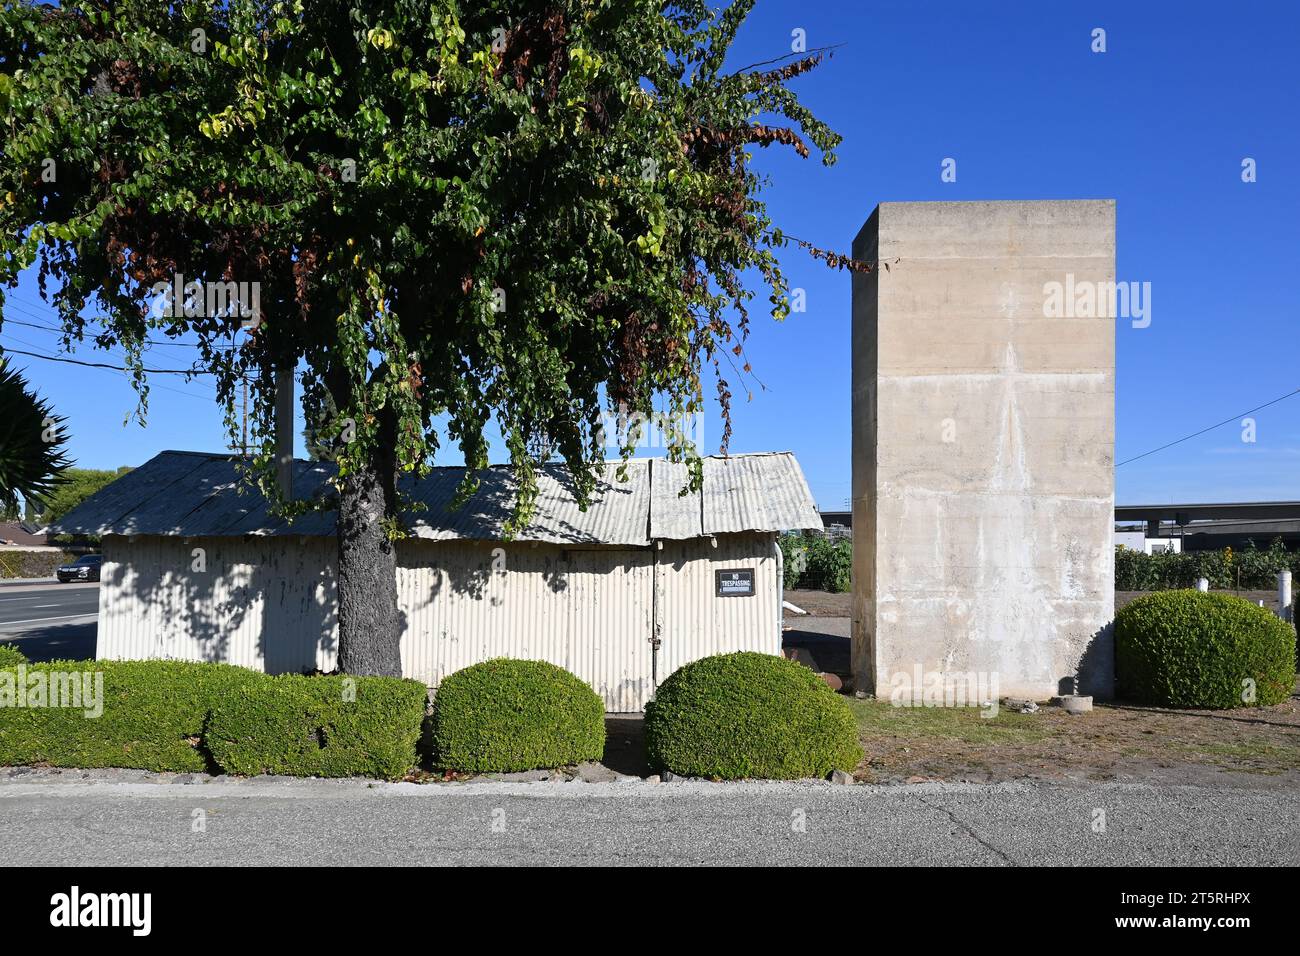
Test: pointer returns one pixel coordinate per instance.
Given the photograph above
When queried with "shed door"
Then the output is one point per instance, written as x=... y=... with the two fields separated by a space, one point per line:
x=609 y=611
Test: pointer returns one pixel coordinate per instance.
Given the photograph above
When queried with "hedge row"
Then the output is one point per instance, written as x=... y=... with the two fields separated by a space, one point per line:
x=1250 y=568
x=326 y=726
x=11 y=655
x=32 y=564
x=189 y=717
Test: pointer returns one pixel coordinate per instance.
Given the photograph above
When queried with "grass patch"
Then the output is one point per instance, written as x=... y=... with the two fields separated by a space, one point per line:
x=1239 y=756
x=880 y=718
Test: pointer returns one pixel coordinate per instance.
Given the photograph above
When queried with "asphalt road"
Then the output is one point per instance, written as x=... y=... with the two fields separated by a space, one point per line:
x=62 y=819
x=49 y=621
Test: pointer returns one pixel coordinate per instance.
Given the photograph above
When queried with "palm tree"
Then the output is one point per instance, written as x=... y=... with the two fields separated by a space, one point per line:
x=32 y=459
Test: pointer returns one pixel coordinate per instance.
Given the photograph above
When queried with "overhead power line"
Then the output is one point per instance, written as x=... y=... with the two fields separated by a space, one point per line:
x=1210 y=428
x=166 y=388
x=115 y=368
x=54 y=328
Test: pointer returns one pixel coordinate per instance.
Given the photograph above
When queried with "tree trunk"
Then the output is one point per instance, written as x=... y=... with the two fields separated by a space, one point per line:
x=369 y=622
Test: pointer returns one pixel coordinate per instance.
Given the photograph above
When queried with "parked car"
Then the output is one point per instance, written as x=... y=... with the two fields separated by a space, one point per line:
x=85 y=568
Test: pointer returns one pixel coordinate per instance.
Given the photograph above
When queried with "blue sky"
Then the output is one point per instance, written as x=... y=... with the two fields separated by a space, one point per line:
x=1160 y=122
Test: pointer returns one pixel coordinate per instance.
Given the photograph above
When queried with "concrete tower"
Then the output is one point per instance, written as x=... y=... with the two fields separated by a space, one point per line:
x=983 y=446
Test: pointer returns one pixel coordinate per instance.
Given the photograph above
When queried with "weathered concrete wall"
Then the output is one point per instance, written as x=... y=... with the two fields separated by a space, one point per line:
x=983 y=447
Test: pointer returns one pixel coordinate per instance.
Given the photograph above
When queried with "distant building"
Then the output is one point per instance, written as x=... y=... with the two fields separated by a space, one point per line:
x=22 y=534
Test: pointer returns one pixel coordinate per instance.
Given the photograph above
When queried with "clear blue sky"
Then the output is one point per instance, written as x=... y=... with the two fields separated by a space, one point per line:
x=1160 y=122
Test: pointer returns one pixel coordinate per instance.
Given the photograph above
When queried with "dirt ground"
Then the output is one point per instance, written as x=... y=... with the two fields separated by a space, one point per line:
x=817 y=604
x=1115 y=742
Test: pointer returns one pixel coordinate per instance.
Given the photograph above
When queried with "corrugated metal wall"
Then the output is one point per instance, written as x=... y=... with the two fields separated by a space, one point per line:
x=695 y=622
x=159 y=598
x=586 y=608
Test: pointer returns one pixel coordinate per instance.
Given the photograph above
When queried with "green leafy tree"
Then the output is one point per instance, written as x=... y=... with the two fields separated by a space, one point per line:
x=502 y=211
x=78 y=485
x=32 y=461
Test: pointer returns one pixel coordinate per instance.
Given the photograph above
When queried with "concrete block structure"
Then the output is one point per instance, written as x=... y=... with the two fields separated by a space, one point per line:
x=983 y=446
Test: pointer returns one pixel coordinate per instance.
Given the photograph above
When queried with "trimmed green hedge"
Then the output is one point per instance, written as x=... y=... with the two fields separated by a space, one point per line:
x=190 y=717
x=329 y=726
x=1188 y=649
x=11 y=655
x=753 y=715
x=507 y=715
x=153 y=716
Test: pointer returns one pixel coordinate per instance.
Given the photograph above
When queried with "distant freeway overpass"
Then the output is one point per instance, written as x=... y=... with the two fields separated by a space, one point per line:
x=1187 y=513
x=1200 y=526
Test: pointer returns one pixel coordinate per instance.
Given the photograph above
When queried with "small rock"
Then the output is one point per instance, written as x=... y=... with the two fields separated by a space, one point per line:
x=915 y=779
x=860 y=695
x=1022 y=705
x=183 y=778
x=840 y=777
x=670 y=777
x=653 y=778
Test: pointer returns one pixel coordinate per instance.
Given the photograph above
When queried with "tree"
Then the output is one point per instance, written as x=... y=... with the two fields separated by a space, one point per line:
x=32 y=461
x=78 y=485
x=503 y=210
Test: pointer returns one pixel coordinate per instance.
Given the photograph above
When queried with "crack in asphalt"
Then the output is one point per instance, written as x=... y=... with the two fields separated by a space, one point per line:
x=970 y=831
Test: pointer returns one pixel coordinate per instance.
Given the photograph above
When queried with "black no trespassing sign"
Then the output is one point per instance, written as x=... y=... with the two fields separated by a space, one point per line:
x=735 y=582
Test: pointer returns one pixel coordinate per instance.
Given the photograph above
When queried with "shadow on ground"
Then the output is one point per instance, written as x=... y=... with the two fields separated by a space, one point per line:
x=625 y=745
x=821 y=643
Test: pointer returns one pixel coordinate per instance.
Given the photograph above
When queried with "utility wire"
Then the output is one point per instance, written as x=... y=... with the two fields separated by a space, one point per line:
x=19 y=305
x=115 y=368
x=1226 y=421
x=53 y=358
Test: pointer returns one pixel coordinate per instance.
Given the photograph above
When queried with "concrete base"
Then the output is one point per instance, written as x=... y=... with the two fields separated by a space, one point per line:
x=1075 y=703
x=983 y=449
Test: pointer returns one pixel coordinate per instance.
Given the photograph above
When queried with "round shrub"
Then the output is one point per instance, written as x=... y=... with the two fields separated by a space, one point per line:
x=505 y=715
x=1194 y=649
x=750 y=715
x=11 y=656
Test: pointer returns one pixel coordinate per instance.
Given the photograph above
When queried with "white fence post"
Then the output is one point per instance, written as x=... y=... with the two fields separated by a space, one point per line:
x=1202 y=584
x=1284 y=595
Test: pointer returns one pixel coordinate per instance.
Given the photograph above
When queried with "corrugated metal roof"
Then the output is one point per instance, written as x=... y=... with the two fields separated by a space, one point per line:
x=195 y=495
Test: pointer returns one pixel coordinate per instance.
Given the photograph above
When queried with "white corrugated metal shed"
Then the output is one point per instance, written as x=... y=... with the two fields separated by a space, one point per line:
x=197 y=568
x=202 y=495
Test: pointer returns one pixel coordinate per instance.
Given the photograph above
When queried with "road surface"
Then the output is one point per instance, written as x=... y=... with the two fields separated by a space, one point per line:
x=114 y=818
x=49 y=621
